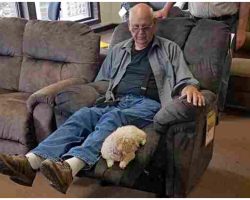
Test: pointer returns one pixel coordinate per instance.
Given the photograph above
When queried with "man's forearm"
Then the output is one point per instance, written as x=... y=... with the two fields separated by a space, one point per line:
x=168 y=6
x=243 y=16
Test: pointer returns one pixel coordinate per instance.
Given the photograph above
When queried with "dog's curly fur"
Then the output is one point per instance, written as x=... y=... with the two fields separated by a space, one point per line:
x=121 y=145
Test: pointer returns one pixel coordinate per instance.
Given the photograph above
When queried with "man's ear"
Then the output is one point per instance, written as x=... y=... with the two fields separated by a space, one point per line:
x=155 y=21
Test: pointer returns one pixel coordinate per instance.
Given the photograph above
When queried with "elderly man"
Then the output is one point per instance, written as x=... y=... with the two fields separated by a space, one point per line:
x=129 y=100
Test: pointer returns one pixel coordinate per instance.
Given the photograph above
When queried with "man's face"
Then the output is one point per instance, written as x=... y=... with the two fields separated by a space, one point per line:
x=142 y=29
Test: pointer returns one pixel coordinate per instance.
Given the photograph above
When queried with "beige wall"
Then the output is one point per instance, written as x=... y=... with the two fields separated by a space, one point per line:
x=109 y=12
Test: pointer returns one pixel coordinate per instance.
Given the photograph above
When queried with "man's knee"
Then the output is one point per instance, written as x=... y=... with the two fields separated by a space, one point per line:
x=117 y=115
x=84 y=112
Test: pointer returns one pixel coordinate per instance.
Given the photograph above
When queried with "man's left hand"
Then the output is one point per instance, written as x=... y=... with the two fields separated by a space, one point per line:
x=193 y=95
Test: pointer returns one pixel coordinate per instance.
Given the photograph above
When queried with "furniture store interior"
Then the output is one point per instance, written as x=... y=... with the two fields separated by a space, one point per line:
x=124 y=99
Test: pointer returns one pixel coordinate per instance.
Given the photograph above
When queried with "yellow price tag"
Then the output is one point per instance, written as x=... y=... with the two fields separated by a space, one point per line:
x=104 y=44
x=211 y=120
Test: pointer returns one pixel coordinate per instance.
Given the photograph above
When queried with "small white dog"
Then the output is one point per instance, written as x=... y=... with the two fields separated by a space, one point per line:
x=121 y=145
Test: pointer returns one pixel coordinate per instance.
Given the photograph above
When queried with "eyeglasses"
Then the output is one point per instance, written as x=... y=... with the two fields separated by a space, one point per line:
x=136 y=29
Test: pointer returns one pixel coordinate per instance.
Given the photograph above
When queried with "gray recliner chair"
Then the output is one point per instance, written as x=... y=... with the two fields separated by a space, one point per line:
x=178 y=150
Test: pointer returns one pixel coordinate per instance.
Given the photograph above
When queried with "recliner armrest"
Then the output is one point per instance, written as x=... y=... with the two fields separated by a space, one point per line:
x=47 y=94
x=179 y=110
x=75 y=97
x=100 y=86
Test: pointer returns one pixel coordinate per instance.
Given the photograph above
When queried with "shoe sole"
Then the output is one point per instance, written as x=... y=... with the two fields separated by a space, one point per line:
x=6 y=169
x=47 y=170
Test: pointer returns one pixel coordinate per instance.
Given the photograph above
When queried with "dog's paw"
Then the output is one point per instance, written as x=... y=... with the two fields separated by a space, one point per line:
x=110 y=163
x=123 y=164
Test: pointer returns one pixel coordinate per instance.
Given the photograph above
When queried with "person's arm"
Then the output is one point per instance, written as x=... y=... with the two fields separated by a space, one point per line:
x=163 y=13
x=242 y=25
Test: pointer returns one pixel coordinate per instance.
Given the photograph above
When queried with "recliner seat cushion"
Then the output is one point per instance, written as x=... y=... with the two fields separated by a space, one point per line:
x=15 y=120
x=56 y=51
x=11 y=40
x=132 y=172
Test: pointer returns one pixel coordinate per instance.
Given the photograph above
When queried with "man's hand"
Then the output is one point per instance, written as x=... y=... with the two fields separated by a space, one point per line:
x=240 y=39
x=193 y=95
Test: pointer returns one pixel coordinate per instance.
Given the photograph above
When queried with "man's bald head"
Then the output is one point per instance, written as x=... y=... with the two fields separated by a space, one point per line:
x=142 y=25
x=141 y=10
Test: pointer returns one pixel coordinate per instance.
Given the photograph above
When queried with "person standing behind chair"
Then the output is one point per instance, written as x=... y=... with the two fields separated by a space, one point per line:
x=233 y=14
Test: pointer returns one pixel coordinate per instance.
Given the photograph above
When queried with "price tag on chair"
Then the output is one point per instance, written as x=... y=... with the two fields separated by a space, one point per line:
x=211 y=121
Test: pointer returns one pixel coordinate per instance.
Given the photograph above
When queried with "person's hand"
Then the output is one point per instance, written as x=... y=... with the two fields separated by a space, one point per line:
x=193 y=95
x=160 y=14
x=240 y=39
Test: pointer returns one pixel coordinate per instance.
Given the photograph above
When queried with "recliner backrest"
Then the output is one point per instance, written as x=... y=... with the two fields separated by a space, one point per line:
x=175 y=29
x=11 y=44
x=54 y=51
x=205 y=46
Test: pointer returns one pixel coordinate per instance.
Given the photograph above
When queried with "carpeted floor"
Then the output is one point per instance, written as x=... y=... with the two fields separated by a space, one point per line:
x=228 y=174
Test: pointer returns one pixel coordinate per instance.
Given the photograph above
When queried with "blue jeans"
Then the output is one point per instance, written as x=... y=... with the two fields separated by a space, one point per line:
x=83 y=133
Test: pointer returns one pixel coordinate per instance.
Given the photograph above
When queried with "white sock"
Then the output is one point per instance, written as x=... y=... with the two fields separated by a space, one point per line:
x=75 y=164
x=34 y=160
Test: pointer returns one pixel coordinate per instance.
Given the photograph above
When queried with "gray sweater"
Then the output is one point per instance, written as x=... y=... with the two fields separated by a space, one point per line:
x=167 y=62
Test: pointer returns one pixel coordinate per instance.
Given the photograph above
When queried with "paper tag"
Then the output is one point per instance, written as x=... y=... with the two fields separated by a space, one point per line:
x=211 y=120
x=122 y=12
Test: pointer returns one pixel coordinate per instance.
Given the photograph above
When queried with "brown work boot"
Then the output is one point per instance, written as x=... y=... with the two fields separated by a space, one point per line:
x=58 y=173
x=18 y=168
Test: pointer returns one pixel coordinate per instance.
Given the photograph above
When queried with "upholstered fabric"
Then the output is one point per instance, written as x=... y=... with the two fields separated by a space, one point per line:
x=11 y=37
x=128 y=176
x=179 y=110
x=73 y=98
x=42 y=58
x=10 y=67
x=62 y=41
x=15 y=121
x=12 y=147
x=175 y=29
x=206 y=45
x=240 y=67
x=44 y=121
x=55 y=51
x=47 y=94
x=11 y=34
x=169 y=29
